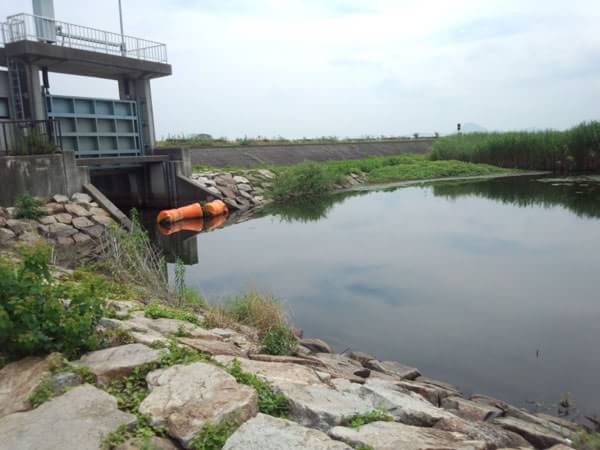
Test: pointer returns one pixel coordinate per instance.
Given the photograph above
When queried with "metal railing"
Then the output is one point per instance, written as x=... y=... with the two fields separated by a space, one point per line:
x=28 y=27
x=30 y=137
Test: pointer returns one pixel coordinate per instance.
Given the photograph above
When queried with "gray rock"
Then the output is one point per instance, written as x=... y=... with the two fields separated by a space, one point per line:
x=3 y=221
x=268 y=433
x=77 y=420
x=266 y=173
x=18 y=381
x=20 y=226
x=394 y=368
x=153 y=443
x=244 y=187
x=397 y=436
x=240 y=180
x=30 y=237
x=54 y=208
x=537 y=435
x=361 y=357
x=65 y=218
x=80 y=197
x=57 y=230
x=405 y=406
x=169 y=327
x=275 y=372
x=65 y=241
x=11 y=212
x=212 y=347
x=81 y=238
x=77 y=210
x=118 y=361
x=185 y=398
x=58 y=198
x=493 y=435
x=341 y=366
x=65 y=380
x=102 y=219
x=47 y=220
x=213 y=190
x=6 y=236
x=321 y=406
x=81 y=223
x=95 y=231
x=316 y=345
x=468 y=409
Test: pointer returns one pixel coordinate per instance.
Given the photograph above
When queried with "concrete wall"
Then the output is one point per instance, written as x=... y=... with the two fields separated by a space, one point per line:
x=40 y=175
x=252 y=156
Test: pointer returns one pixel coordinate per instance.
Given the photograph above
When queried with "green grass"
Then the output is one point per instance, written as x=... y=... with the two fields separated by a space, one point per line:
x=585 y=440
x=358 y=420
x=212 y=437
x=316 y=179
x=279 y=341
x=156 y=310
x=577 y=149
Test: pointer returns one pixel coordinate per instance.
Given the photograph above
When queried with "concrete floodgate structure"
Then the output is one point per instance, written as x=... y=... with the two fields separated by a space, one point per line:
x=106 y=142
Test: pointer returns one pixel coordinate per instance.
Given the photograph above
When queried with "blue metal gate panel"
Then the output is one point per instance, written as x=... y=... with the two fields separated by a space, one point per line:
x=94 y=127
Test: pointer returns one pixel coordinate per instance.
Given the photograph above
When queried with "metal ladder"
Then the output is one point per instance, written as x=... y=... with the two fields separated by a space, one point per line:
x=18 y=89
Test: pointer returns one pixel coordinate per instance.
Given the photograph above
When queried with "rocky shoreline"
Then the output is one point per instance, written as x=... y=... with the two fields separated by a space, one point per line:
x=323 y=389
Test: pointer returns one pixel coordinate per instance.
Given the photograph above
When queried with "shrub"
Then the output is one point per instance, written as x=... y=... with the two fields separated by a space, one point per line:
x=39 y=315
x=279 y=341
x=585 y=440
x=303 y=180
x=29 y=207
x=262 y=312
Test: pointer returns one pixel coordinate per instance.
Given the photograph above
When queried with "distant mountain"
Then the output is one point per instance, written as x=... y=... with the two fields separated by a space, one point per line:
x=471 y=127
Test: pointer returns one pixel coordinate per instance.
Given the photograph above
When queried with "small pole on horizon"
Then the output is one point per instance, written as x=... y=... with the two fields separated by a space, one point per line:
x=123 y=50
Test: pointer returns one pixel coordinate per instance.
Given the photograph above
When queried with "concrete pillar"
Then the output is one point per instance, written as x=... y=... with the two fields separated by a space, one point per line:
x=141 y=91
x=37 y=107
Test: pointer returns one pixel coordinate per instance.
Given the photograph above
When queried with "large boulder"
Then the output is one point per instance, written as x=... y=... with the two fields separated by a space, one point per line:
x=397 y=436
x=77 y=420
x=168 y=327
x=186 y=398
x=17 y=382
x=321 y=406
x=471 y=410
x=276 y=372
x=537 y=435
x=316 y=345
x=493 y=435
x=77 y=210
x=393 y=368
x=268 y=433
x=405 y=406
x=118 y=361
x=341 y=366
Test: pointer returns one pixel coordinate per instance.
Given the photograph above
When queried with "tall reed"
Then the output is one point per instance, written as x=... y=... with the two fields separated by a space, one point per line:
x=577 y=149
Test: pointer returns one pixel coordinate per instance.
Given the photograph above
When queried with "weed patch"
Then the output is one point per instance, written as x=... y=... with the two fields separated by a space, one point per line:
x=156 y=310
x=585 y=440
x=29 y=207
x=269 y=402
x=212 y=437
x=279 y=341
x=358 y=420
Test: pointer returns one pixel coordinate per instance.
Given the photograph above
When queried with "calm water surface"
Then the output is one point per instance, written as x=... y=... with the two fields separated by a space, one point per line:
x=490 y=285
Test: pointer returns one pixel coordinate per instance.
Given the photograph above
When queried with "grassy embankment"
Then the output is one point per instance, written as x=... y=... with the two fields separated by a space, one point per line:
x=315 y=179
x=577 y=149
x=188 y=142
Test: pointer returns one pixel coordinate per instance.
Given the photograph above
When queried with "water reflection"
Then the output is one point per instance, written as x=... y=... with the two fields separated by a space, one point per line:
x=489 y=285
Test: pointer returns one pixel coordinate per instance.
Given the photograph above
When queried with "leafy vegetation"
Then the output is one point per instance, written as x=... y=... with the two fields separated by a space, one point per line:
x=130 y=258
x=29 y=207
x=212 y=437
x=577 y=149
x=269 y=401
x=279 y=341
x=156 y=310
x=586 y=440
x=317 y=179
x=39 y=315
x=358 y=420
x=42 y=392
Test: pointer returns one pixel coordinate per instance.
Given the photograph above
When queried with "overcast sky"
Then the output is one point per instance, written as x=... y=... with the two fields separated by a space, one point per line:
x=357 y=67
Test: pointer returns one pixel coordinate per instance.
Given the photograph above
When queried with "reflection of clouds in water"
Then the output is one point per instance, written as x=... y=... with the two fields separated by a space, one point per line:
x=465 y=287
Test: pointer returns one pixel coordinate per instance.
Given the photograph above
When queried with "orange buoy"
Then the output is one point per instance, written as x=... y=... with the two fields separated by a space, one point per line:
x=195 y=225
x=215 y=208
x=170 y=216
x=216 y=222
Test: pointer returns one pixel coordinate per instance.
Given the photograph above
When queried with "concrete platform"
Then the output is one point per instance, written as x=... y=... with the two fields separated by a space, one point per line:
x=74 y=61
